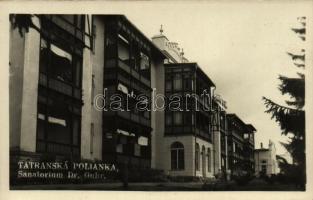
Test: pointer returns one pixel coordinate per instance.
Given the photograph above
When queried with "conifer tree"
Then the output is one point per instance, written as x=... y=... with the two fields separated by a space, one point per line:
x=291 y=118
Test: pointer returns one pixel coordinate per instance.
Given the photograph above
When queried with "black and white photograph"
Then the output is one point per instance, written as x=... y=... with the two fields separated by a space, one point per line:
x=171 y=96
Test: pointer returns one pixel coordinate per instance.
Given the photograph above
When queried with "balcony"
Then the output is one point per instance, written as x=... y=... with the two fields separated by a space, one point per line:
x=125 y=67
x=59 y=86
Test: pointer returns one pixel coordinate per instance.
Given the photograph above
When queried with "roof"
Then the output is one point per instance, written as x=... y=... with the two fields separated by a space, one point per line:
x=197 y=67
x=234 y=117
x=159 y=36
x=123 y=18
x=250 y=128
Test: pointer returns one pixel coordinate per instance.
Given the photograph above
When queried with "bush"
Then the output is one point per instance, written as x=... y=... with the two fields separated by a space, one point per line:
x=243 y=179
x=146 y=175
x=184 y=179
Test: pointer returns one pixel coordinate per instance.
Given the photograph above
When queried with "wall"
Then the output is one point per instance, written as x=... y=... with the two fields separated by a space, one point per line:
x=16 y=54
x=87 y=107
x=188 y=142
x=206 y=145
x=217 y=151
x=189 y=149
x=97 y=71
x=157 y=117
x=30 y=89
x=271 y=163
x=24 y=74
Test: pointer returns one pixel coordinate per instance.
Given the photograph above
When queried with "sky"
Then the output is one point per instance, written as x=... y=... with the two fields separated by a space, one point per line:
x=241 y=47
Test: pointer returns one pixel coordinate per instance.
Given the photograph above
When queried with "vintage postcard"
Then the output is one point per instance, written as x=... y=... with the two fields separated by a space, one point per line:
x=204 y=98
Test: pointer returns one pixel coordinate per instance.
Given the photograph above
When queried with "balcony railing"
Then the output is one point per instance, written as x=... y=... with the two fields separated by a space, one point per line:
x=59 y=86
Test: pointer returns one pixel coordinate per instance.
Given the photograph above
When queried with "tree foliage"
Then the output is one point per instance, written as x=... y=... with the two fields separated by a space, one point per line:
x=291 y=118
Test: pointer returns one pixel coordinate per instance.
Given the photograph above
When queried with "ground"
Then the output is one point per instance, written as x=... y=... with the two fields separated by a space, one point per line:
x=254 y=185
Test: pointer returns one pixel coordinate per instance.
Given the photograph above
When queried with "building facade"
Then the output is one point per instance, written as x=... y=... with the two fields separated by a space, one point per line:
x=240 y=142
x=265 y=160
x=77 y=81
x=71 y=59
x=47 y=66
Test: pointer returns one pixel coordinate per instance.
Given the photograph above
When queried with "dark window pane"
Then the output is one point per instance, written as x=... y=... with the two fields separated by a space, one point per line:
x=168 y=85
x=173 y=159
x=123 y=49
x=209 y=160
x=61 y=64
x=41 y=117
x=177 y=82
x=178 y=118
x=59 y=122
x=76 y=130
x=177 y=156
x=78 y=68
x=197 y=156
x=187 y=83
x=44 y=56
x=168 y=119
x=181 y=159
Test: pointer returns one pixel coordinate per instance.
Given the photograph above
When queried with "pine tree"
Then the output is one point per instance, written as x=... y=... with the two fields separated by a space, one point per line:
x=291 y=118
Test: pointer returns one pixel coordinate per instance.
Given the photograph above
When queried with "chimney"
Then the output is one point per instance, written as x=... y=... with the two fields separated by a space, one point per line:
x=261 y=145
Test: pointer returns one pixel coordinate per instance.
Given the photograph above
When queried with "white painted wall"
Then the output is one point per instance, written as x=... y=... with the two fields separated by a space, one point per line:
x=97 y=71
x=157 y=117
x=87 y=107
x=17 y=48
x=30 y=89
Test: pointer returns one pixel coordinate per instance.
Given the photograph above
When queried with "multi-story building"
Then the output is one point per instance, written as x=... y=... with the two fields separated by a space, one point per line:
x=48 y=66
x=265 y=160
x=130 y=62
x=187 y=130
x=186 y=140
x=239 y=144
x=76 y=82
x=248 y=148
x=58 y=68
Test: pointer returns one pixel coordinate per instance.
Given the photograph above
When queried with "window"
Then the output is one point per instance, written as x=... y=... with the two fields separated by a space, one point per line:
x=168 y=85
x=177 y=82
x=60 y=61
x=144 y=61
x=177 y=156
x=178 y=118
x=58 y=129
x=209 y=160
x=197 y=157
x=187 y=82
x=187 y=118
x=59 y=91
x=145 y=65
x=203 y=158
x=168 y=119
x=123 y=49
x=263 y=169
